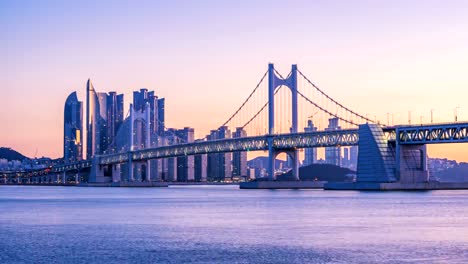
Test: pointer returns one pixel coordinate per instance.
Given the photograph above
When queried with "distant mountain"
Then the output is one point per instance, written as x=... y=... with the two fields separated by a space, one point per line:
x=459 y=173
x=320 y=172
x=10 y=154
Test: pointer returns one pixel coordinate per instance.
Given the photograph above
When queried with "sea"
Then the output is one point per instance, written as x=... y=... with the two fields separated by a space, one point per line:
x=223 y=224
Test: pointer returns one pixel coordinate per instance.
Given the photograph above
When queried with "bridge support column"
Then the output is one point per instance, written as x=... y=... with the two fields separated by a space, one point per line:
x=271 y=160
x=274 y=82
x=271 y=100
x=97 y=172
x=412 y=163
x=64 y=177
x=77 y=178
x=116 y=173
x=130 y=168
x=295 y=165
x=293 y=155
x=148 y=171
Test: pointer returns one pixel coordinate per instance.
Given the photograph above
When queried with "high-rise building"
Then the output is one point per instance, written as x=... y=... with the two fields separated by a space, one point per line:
x=104 y=117
x=143 y=97
x=185 y=164
x=114 y=118
x=219 y=165
x=170 y=164
x=310 y=154
x=92 y=121
x=102 y=123
x=200 y=170
x=239 y=158
x=212 y=160
x=73 y=129
x=345 y=158
x=333 y=154
x=157 y=137
x=161 y=119
x=353 y=157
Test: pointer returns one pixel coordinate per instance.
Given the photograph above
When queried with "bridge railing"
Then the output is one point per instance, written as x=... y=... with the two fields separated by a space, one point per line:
x=346 y=137
x=433 y=133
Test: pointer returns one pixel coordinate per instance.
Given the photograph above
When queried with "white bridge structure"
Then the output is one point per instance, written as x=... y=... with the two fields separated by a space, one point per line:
x=386 y=153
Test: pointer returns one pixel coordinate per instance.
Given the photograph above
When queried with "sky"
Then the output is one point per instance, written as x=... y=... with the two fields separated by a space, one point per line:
x=205 y=57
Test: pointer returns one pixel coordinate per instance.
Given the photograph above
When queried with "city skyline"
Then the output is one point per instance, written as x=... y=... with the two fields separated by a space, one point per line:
x=382 y=67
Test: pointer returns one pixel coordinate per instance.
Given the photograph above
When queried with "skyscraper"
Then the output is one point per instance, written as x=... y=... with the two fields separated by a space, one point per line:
x=333 y=154
x=239 y=158
x=73 y=129
x=104 y=117
x=114 y=118
x=200 y=164
x=102 y=123
x=163 y=168
x=161 y=118
x=345 y=159
x=219 y=164
x=140 y=99
x=353 y=157
x=185 y=164
x=92 y=121
x=310 y=154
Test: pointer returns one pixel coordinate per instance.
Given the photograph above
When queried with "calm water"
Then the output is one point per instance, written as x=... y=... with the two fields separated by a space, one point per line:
x=221 y=224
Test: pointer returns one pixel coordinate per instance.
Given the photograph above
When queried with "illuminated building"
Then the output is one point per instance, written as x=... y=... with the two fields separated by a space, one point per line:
x=73 y=129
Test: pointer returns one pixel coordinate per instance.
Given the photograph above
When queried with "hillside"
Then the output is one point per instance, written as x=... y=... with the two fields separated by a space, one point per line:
x=458 y=173
x=10 y=154
x=262 y=162
x=320 y=172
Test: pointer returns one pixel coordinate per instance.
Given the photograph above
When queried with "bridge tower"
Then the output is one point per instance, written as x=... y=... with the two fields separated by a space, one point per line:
x=274 y=82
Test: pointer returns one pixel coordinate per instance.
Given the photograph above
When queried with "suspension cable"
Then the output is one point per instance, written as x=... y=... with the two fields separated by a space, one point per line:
x=326 y=111
x=331 y=99
x=248 y=98
x=261 y=109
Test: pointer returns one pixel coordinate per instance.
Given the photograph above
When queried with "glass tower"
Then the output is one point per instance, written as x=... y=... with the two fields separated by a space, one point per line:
x=73 y=129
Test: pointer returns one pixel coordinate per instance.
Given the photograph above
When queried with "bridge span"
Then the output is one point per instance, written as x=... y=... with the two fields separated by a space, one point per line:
x=386 y=154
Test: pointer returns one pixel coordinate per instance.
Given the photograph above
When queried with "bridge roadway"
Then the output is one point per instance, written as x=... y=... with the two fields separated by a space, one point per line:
x=433 y=133
x=407 y=135
x=346 y=137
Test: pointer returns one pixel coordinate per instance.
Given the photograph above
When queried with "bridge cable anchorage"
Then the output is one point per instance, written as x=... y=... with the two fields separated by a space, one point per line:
x=331 y=99
x=248 y=98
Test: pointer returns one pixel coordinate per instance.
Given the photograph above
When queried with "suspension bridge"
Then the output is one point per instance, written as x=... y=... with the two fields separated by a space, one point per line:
x=270 y=119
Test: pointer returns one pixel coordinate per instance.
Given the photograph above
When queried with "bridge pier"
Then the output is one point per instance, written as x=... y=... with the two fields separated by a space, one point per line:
x=273 y=83
x=148 y=170
x=130 y=168
x=64 y=177
x=97 y=172
x=411 y=163
x=116 y=173
x=271 y=160
x=293 y=155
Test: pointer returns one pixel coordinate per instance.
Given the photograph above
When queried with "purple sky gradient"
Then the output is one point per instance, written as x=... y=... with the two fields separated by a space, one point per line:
x=205 y=57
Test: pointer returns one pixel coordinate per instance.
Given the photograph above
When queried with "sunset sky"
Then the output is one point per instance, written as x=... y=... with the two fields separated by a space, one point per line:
x=205 y=57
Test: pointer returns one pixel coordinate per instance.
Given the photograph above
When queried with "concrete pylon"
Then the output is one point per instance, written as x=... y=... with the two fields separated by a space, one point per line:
x=273 y=83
